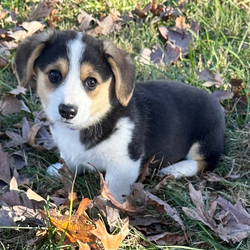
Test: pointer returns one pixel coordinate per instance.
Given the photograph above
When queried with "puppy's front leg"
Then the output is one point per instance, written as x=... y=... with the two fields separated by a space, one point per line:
x=120 y=178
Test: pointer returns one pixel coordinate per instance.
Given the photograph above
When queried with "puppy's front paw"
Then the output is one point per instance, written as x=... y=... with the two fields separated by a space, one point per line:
x=53 y=169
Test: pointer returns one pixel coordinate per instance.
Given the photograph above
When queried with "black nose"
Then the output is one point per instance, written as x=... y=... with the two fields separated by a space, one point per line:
x=67 y=111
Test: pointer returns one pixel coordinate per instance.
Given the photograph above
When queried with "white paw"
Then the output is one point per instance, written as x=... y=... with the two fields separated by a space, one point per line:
x=171 y=170
x=186 y=168
x=53 y=169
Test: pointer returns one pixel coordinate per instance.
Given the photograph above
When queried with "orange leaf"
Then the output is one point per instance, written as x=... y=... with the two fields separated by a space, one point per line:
x=76 y=227
x=110 y=241
x=83 y=246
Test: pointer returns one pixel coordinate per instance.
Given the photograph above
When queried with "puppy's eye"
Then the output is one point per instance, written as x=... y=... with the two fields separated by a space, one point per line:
x=91 y=83
x=55 y=76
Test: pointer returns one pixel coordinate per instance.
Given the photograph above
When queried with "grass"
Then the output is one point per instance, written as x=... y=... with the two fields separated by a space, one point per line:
x=222 y=43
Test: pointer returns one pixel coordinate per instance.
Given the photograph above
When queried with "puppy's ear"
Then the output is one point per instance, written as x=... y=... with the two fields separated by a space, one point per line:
x=27 y=53
x=123 y=68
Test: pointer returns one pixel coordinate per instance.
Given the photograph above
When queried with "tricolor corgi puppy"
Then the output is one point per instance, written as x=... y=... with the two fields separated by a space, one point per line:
x=99 y=115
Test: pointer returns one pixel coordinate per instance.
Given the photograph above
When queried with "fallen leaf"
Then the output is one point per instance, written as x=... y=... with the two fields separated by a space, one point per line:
x=223 y=95
x=163 y=207
x=18 y=90
x=130 y=206
x=105 y=27
x=85 y=20
x=40 y=234
x=210 y=78
x=6 y=218
x=83 y=246
x=13 y=184
x=18 y=160
x=200 y=213
x=42 y=9
x=5 y=57
x=10 y=104
x=34 y=196
x=77 y=226
x=11 y=198
x=234 y=221
x=145 y=171
x=5 y=174
x=110 y=241
x=181 y=38
x=109 y=211
x=164 y=181
x=167 y=238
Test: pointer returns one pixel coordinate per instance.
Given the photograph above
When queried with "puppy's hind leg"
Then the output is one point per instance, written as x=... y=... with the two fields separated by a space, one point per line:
x=201 y=157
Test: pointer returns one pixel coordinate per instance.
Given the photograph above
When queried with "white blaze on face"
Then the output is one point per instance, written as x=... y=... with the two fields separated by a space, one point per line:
x=71 y=91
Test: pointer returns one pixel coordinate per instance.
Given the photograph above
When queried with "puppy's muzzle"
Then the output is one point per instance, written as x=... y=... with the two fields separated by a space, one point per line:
x=67 y=111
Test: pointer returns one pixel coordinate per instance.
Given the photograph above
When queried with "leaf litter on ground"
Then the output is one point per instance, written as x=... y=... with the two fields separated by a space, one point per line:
x=230 y=222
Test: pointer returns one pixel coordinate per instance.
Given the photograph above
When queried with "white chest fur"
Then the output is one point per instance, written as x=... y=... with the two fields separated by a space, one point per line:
x=111 y=155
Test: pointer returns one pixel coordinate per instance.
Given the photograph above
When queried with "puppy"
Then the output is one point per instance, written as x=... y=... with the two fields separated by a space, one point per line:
x=99 y=115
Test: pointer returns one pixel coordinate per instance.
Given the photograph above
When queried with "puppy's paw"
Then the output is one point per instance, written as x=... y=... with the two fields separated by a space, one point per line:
x=53 y=169
x=171 y=170
x=180 y=169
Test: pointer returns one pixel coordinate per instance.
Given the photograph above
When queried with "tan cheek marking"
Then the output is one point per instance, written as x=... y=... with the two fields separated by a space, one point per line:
x=43 y=86
x=100 y=99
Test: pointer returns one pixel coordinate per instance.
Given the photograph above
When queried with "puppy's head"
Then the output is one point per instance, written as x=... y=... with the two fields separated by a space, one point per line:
x=78 y=76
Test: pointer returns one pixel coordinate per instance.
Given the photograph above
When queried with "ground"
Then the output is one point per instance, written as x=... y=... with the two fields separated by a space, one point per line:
x=211 y=51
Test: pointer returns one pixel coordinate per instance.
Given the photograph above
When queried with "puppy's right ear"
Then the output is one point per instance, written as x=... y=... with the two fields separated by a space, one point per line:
x=27 y=53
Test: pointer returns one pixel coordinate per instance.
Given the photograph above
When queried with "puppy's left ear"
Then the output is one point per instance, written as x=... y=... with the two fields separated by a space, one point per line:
x=123 y=68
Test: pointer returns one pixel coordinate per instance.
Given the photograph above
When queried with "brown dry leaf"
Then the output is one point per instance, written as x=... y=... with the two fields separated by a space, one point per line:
x=145 y=171
x=32 y=27
x=2 y=14
x=40 y=234
x=36 y=135
x=18 y=160
x=77 y=226
x=110 y=241
x=5 y=174
x=6 y=217
x=105 y=27
x=85 y=20
x=164 y=181
x=210 y=78
x=18 y=90
x=237 y=86
x=5 y=57
x=34 y=196
x=42 y=9
x=11 y=198
x=13 y=184
x=163 y=207
x=167 y=238
x=53 y=19
x=180 y=37
x=130 y=206
x=109 y=211
x=83 y=246
x=17 y=139
x=10 y=104
x=223 y=95
x=234 y=221
x=200 y=213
